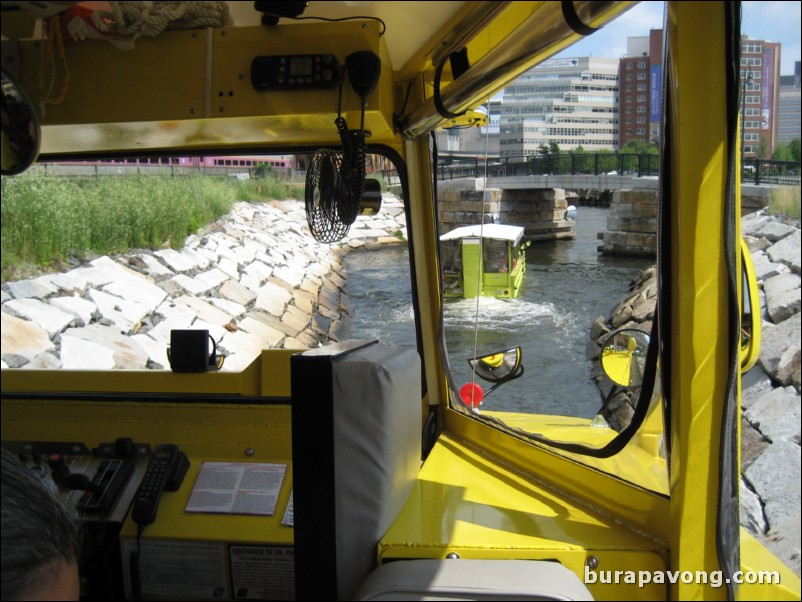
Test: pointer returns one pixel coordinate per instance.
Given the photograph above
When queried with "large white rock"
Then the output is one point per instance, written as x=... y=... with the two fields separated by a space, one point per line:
x=52 y=319
x=23 y=338
x=272 y=299
x=77 y=306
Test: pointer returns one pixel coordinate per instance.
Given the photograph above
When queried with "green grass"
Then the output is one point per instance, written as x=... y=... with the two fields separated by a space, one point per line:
x=265 y=188
x=785 y=200
x=47 y=220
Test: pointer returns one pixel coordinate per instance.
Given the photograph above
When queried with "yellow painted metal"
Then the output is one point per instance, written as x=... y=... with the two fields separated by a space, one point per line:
x=698 y=358
x=188 y=422
x=750 y=341
x=639 y=463
x=424 y=237
x=484 y=491
x=578 y=478
x=466 y=17
x=469 y=119
x=228 y=429
x=519 y=38
x=275 y=364
x=138 y=101
x=467 y=502
x=773 y=580
x=247 y=382
x=267 y=376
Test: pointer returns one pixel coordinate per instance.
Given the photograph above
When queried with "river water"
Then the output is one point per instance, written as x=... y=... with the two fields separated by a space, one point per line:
x=566 y=287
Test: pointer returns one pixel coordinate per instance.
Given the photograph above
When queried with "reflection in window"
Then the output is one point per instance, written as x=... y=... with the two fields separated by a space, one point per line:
x=494 y=255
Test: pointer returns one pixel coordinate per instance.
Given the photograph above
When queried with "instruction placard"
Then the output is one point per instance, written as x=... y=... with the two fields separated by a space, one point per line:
x=263 y=572
x=237 y=488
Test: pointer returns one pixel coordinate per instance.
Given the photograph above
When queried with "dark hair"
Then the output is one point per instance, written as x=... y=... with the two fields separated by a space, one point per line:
x=37 y=529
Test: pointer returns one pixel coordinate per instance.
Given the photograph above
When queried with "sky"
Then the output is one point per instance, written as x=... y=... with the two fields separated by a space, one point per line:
x=770 y=21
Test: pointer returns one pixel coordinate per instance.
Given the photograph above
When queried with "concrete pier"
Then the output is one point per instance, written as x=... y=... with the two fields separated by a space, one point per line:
x=541 y=212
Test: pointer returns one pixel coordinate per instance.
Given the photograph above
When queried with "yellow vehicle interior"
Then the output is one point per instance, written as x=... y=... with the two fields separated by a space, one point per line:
x=381 y=482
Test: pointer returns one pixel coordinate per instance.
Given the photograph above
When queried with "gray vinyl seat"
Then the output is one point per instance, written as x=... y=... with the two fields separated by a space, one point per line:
x=472 y=579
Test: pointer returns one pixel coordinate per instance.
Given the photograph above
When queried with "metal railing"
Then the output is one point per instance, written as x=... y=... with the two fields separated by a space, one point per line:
x=599 y=164
x=606 y=164
x=755 y=171
x=102 y=169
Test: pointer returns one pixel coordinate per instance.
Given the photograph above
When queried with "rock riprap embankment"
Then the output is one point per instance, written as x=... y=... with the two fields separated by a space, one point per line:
x=770 y=398
x=255 y=279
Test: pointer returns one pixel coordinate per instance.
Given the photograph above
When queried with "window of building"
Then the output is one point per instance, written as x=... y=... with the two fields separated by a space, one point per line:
x=628 y=131
x=751 y=61
x=629 y=88
x=751 y=48
x=641 y=76
x=641 y=64
x=751 y=99
x=641 y=131
x=641 y=109
x=629 y=120
x=629 y=66
x=641 y=87
x=629 y=77
x=641 y=120
x=641 y=98
x=752 y=136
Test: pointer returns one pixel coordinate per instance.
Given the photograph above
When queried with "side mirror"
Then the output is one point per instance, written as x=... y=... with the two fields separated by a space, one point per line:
x=497 y=368
x=623 y=355
x=750 y=311
x=20 y=129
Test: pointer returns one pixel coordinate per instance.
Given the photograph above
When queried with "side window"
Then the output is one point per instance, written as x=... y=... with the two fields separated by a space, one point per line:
x=102 y=256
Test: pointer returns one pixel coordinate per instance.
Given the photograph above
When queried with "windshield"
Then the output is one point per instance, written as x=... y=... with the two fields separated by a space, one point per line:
x=577 y=289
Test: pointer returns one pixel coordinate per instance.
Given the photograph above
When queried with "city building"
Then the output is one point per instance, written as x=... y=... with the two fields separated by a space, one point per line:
x=790 y=127
x=760 y=100
x=568 y=101
x=640 y=77
x=603 y=104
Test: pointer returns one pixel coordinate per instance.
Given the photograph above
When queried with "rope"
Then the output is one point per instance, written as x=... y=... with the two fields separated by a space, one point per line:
x=481 y=271
x=134 y=18
x=53 y=38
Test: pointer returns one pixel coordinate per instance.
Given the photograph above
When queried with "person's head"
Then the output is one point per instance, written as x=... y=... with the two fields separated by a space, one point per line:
x=40 y=538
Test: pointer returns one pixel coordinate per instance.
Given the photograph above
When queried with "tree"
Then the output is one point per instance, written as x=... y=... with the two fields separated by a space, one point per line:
x=782 y=153
x=640 y=147
x=794 y=146
x=762 y=148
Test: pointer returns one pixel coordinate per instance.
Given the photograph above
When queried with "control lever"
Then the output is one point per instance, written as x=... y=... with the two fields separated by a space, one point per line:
x=78 y=481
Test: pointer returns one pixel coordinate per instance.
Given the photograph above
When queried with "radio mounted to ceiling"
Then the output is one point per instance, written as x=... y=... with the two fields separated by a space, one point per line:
x=294 y=72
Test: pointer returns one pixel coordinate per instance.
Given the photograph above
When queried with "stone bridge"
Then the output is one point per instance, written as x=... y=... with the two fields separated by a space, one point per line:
x=539 y=204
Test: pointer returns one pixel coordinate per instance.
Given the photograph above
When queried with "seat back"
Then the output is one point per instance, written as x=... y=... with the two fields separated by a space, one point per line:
x=356 y=445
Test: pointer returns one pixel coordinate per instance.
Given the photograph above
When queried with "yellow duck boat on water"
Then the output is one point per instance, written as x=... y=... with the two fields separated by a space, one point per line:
x=356 y=470
x=484 y=259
